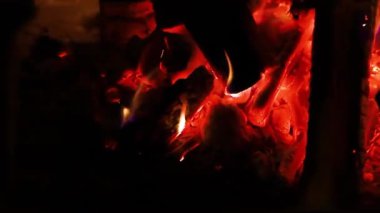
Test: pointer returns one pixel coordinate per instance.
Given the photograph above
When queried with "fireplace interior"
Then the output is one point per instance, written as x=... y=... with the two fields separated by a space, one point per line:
x=236 y=106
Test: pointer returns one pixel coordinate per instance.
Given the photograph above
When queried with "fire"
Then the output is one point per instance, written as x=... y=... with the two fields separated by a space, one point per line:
x=230 y=69
x=371 y=110
x=272 y=113
x=182 y=119
x=125 y=115
x=273 y=104
x=274 y=78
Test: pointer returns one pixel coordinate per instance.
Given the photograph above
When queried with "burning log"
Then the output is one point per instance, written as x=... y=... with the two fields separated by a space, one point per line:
x=211 y=125
x=262 y=102
x=178 y=53
x=229 y=28
x=286 y=136
x=229 y=144
x=157 y=109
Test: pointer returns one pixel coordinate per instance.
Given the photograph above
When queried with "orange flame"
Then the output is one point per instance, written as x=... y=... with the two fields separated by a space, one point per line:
x=125 y=115
x=230 y=69
x=182 y=119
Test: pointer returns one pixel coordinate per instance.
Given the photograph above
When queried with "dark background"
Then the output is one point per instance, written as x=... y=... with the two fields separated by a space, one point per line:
x=9 y=24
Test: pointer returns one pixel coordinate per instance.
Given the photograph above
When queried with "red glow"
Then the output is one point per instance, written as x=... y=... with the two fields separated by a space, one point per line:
x=179 y=29
x=273 y=79
x=274 y=109
x=371 y=112
x=283 y=115
x=111 y=145
x=63 y=54
x=368 y=177
x=130 y=79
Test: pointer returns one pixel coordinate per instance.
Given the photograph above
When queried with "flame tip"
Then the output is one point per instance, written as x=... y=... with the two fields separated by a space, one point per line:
x=182 y=119
x=230 y=69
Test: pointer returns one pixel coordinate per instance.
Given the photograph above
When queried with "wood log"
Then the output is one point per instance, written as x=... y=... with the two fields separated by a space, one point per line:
x=340 y=60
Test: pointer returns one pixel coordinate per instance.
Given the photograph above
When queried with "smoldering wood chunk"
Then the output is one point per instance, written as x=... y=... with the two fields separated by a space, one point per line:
x=224 y=129
x=279 y=43
x=192 y=90
x=280 y=120
x=153 y=103
x=231 y=147
x=146 y=130
x=167 y=49
x=151 y=55
x=157 y=110
x=177 y=53
x=223 y=145
x=227 y=138
x=197 y=87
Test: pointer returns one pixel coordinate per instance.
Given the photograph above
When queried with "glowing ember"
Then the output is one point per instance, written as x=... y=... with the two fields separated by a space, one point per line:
x=270 y=84
x=371 y=113
x=272 y=113
x=63 y=54
x=125 y=115
x=278 y=103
